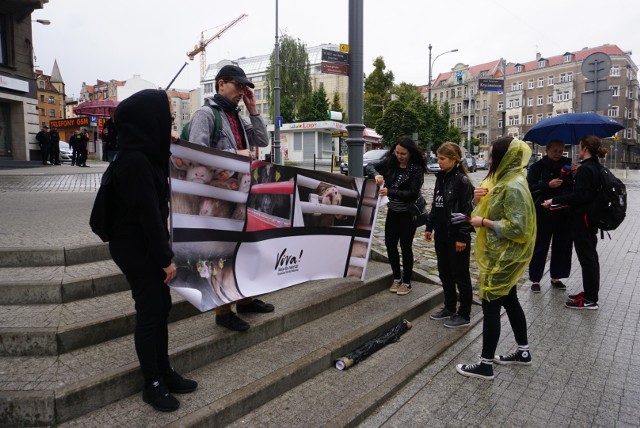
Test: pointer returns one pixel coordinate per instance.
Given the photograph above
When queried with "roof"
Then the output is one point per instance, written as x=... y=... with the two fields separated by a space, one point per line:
x=56 y=77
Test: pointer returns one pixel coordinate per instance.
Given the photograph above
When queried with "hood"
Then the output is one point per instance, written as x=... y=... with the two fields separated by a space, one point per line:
x=143 y=123
x=511 y=165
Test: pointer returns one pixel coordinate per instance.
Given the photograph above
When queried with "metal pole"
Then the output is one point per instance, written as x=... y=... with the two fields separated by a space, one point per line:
x=595 y=88
x=276 y=100
x=490 y=122
x=355 y=141
x=504 y=99
x=176 y=76
x=429 y=90
x=469 y=119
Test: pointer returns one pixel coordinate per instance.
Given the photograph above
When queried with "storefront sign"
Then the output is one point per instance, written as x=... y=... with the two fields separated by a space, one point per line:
x=14 y=84
x=70 y=123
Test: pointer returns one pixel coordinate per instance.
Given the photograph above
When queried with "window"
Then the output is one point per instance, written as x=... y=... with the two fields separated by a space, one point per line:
x=42 y=98
x=613 y=111
x=265 y=109
x=628 y=133
x=514 y=120
x=516 y=86
x=452 y=108
x=629 y=114
x=41 y=84
x=550 y=99
x=499 y=123
x=549 y=115
x=484 y=104
x=459 y=91
x=514 y=103
x=615 y=90
x=563 y=96
x=540 y=82
x=615 y=70
x=542 y=63
x=549 y=80
x=4 y=39
x=459 y=107
x=484 y=120
x=538 y=117
x=500 y=106
x=570 y=77
x=531 y=84
x=453 y=92
x=208 y=88
x=258 y=94
x=567 y=58
x=41 y=112
x=52 y=112
x=51 y=100
x=530 y=102
x=540 y=100
x=518 y=68
x=529 y=119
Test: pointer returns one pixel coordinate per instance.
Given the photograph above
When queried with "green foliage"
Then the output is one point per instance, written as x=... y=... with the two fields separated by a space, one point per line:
x=314 y=107
x=399 y=120
x=377 y=92
x=336 y=106
x=295 y=80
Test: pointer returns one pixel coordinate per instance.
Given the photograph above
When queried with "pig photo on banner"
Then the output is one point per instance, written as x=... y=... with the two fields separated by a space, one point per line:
x=242 y=228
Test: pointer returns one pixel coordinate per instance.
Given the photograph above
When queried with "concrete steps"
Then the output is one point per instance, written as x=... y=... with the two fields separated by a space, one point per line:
x=304 y=337
x=53 y=256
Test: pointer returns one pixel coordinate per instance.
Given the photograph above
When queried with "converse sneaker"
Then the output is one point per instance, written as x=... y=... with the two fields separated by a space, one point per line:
x=403 y=289
x=535 y=287
x=456 y=321
x=581 y=303
x=521 y=357
x=444 y=314
x=575 y=296
x=159 y=397
x=480 y=370
x=395 y=286
x=558 y=285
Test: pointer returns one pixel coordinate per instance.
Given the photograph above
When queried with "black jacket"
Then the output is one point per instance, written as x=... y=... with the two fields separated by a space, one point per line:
x=541 y=173
x=43 y=138
x=110 y=137
x=405 y=192
x=55 y=137
x=457 y=194
x=141 y=174
x=585 y=190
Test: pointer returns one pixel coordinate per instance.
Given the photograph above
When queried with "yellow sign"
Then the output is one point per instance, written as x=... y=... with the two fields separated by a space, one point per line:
x=343 y=48
x=616 y=138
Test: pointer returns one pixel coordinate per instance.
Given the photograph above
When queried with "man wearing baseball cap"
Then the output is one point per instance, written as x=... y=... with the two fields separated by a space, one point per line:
x=236 y=136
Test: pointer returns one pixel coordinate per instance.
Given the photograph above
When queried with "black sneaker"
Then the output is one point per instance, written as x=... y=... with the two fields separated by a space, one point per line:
x=535 y=287
x=480 y=370
x=232 y=322
x=456 y=321
x=444 y=314
x=581 y=303
x=518 y=357
x=558 y=285
x=177 y=384
x=575 y=296
x=159 y=397
x=256 y=306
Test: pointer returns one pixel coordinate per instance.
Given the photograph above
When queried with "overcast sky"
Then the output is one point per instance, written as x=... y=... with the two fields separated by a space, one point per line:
x=115 y=39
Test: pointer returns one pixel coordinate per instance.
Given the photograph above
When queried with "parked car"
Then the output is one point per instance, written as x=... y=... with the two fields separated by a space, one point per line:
x=65 y=152
x=470 y=163
x=482 y=164
x=367 y=158
x=433 y=166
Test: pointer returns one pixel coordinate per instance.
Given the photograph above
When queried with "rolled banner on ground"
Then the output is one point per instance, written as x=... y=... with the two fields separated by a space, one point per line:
x=378 y=342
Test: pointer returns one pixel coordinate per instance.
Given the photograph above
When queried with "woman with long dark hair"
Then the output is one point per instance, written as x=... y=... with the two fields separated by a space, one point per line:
x=453 y=193
x=583 y=232
x=140 y=245
x=505 y=222
x=401 y=175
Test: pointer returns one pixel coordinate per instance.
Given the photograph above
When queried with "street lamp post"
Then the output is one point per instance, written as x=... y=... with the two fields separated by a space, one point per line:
x=42 y=21
x=431 y=67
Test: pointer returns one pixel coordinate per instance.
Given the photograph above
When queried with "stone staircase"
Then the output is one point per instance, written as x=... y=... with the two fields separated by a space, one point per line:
x=67 y=356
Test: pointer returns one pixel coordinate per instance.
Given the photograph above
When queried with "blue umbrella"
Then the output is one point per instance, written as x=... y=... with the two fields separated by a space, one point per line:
x=571 y=127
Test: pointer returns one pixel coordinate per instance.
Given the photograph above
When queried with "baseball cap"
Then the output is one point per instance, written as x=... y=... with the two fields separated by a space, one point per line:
x=236 y=73
x=46 y=126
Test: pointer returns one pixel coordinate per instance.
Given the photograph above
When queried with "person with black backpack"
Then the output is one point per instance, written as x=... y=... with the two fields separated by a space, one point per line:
x=583 y=230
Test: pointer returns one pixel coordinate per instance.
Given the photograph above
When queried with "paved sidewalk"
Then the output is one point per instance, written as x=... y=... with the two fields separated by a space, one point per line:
x=586 y=364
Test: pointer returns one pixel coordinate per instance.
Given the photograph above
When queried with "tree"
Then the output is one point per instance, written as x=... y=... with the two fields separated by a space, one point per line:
x=399 y=120
x=295 y=80
x=377 y=92
x=336 y=106
x=314 y=107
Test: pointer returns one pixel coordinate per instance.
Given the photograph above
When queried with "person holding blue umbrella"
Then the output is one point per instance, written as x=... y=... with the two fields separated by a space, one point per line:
x=585 y=191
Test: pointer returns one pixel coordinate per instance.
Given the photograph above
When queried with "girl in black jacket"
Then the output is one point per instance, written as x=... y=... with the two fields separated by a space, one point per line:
x=401 y=173
x=140 y=245
x=453 y=194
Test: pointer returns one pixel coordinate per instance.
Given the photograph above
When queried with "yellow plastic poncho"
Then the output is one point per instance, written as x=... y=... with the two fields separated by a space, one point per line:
x=503 y=260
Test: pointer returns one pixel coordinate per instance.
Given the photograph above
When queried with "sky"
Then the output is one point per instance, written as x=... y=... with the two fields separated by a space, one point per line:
x=116 y=39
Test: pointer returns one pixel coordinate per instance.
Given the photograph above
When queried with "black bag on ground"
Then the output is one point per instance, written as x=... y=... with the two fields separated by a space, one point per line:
x=103 y=212
x=418 y=211
x=610 y=207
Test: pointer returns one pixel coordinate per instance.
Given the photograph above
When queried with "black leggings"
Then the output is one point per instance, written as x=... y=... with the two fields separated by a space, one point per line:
x=453 y=269
x=491 y=322
x=398 y=227
x=152 y=303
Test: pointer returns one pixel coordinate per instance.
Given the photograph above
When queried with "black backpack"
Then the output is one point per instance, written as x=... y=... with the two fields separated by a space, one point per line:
x=610 y=207
x=103 y=213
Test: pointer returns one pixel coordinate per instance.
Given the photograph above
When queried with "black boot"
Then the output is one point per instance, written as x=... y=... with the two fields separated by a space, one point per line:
x=177 y=384
x=158 y=396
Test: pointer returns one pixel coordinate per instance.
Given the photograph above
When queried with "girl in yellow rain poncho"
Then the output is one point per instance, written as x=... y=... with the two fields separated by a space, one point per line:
x=505 y=221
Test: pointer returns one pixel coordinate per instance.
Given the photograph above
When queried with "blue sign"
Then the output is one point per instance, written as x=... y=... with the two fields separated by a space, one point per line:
x=93 y=119
x=279 y=121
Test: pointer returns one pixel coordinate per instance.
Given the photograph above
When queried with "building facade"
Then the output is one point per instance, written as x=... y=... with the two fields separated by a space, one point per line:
x=50 y=95
x=19 y=121
x=538 y=89
x=181 y=102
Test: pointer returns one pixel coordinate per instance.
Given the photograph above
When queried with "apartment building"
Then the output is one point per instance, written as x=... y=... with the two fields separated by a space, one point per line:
x=540 y=88
x=50 y=95
x=181 y=102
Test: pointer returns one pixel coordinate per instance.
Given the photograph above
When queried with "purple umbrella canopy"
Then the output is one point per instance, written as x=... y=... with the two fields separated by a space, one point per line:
x=571 y=127
x=95 y=108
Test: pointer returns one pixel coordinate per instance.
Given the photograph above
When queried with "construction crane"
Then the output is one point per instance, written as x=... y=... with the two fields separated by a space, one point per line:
x=201 y=48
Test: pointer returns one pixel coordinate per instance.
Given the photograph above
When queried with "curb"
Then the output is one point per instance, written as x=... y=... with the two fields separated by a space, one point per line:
x=53 y=256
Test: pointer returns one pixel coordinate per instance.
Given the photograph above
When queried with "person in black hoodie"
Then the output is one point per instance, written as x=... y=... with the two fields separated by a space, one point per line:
x=453 y=193
x=401 y=172
x=549 y=177
x=140 y=245
x=585 y=239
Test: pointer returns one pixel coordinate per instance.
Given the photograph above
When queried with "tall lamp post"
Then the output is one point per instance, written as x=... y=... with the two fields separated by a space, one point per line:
x=431 y=66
